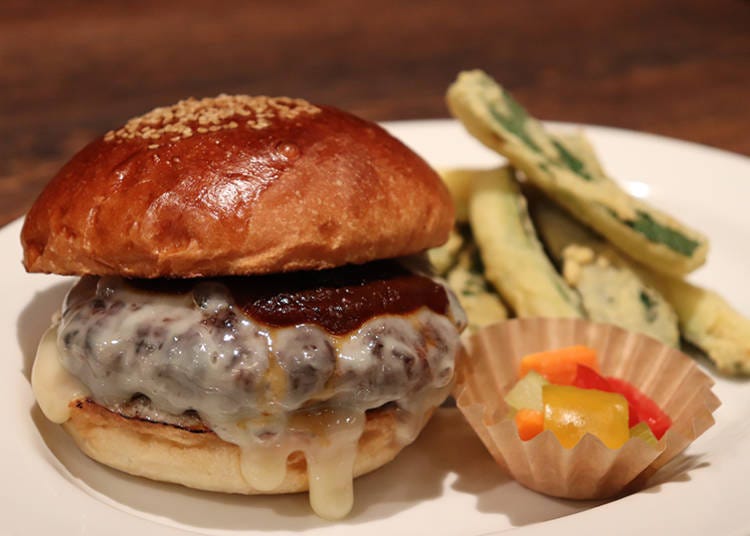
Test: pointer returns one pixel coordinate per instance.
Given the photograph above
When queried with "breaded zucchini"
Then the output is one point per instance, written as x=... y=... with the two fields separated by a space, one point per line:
x=709 y=322
x=657 y=240
x=514 y=260
x=705 y=318
x=459 y=182
x=610 y=289
x=444 y=257
x=578 y=144
x=482 y=304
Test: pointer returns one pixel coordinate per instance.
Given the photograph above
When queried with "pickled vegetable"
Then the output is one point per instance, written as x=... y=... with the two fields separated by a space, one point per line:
x=527 y=392
x=645 y=409
x=530 y=423
x=641 y=409
x=644 y=432
x=571 y=412
x=560 y=366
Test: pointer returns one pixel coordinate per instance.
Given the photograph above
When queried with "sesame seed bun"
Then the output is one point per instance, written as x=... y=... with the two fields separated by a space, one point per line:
x=236 y=185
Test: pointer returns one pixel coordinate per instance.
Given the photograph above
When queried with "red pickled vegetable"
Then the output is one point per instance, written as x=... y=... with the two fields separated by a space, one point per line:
x=588 y=378
x=646 y=410
x=640 y=407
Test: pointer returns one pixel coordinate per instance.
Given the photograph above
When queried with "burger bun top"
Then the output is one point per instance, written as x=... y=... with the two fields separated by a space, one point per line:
x=236 y=185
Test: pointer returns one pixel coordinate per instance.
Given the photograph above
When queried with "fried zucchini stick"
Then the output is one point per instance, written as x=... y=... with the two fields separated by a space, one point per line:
x=443 y=258
x=705 y=318
x=459 y=182
x=652 y=237
x=709 y=322
x=514 y=260
x=458 y=259
x=610 y=289
x=482 y=304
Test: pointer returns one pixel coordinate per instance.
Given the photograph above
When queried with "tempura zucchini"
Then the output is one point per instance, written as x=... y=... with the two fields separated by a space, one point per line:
x=709 y=322
x=514 y=260
x=611 y=291
x=443 y=258
x=480 y=302
x=459 y=182
x=657 y=240
x=704 y=317
x=578 y=144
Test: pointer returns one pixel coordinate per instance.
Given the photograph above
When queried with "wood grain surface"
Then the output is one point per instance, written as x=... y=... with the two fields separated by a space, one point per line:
x=70 y=70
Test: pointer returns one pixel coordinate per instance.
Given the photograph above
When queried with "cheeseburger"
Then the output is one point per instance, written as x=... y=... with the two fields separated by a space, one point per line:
x=253 y=313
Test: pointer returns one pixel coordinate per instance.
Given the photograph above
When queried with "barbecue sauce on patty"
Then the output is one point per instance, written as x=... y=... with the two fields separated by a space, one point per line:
x=338 y=300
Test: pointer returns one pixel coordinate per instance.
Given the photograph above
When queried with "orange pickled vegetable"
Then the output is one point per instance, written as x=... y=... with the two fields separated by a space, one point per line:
x=571 y=412
x=560 y=366
x=529 y=423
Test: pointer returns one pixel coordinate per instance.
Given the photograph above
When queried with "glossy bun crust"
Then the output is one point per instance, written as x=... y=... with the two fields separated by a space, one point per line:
x=236 y=185
x=202 y=460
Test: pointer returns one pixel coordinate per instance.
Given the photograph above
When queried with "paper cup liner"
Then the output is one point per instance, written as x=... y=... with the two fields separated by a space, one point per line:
x=590 y=470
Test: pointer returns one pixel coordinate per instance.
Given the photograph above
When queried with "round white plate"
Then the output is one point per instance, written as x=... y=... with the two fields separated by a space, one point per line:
x=445 y=483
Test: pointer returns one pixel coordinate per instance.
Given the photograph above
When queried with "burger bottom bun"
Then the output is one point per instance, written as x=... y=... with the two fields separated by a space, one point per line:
x=202 y=460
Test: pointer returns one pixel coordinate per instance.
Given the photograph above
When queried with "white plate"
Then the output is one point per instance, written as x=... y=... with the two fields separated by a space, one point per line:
x=443 y=484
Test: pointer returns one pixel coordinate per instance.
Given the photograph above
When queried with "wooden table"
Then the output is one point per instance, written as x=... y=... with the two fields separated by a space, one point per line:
x=70 y=70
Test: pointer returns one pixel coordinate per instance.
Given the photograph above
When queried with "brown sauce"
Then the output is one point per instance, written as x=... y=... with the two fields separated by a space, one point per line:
x=339 y=300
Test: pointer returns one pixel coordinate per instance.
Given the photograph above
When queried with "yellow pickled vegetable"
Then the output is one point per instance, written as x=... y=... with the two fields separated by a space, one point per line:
x=571 y=412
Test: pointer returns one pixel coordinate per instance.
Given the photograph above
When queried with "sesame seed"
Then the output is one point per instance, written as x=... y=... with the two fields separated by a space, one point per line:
x=192 y=116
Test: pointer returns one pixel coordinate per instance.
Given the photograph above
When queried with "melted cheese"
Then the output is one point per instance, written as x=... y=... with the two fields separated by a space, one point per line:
x=328 y=438
x=252 y=385
x=264 y=467
x=54 y=387
x=412 y=413
x=264 y=449
x=330 y=463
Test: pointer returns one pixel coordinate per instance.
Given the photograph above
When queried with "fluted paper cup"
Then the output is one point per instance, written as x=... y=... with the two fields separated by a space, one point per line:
x=590 y=470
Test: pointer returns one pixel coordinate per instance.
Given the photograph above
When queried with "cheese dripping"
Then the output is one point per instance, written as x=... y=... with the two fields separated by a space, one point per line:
x=374 y=368
x=55 y=389
x=328 y=437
